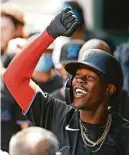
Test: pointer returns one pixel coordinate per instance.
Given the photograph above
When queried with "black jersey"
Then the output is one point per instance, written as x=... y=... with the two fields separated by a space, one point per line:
x=63 y=120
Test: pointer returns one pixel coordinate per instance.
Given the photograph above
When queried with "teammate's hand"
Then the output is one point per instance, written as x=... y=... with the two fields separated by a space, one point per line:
x=64 y=24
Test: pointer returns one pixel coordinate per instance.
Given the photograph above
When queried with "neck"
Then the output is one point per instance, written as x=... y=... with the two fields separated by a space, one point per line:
x=98 y=116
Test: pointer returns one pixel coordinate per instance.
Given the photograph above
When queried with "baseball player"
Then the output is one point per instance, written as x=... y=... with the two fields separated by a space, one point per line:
x=97 y=80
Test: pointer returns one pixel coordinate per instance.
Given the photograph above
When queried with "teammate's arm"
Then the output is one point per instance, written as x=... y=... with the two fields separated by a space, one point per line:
x=18 y=74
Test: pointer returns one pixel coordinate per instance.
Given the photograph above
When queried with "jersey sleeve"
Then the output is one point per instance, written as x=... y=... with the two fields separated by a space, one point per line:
x=18 y=115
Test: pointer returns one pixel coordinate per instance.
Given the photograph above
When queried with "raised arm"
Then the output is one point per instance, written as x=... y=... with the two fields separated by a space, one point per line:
x=18 y=74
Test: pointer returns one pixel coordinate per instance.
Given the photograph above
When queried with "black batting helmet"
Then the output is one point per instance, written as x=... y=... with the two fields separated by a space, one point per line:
x=103 y=63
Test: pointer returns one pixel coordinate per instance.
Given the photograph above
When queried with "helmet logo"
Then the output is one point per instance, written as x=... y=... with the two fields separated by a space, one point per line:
x=89 y=56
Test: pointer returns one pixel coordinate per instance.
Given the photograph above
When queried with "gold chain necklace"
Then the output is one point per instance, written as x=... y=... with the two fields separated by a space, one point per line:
x=101 y=140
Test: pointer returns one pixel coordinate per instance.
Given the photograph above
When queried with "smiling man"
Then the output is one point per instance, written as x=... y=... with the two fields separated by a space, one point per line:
x=96 y=83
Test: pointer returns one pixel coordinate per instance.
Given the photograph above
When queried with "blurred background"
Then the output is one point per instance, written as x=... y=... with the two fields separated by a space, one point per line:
x=111 y=16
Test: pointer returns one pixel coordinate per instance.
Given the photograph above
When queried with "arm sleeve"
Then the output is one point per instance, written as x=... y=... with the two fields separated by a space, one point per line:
x=18 y=74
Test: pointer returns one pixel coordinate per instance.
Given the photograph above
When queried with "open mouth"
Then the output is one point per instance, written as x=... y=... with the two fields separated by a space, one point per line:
x=78 y=92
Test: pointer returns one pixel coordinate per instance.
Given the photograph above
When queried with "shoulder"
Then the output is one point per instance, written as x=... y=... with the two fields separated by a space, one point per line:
x=120 y=133
x=120 y=125
x=46 y=100
x=122 y=108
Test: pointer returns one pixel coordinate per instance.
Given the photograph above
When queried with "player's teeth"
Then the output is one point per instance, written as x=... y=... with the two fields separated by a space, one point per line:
x=80 y=91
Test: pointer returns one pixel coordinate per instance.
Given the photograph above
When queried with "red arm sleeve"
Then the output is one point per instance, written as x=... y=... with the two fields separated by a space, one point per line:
x=18 y=74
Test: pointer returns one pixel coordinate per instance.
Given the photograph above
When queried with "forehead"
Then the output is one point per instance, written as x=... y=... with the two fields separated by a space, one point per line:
x=85 y=70
x=6 y=22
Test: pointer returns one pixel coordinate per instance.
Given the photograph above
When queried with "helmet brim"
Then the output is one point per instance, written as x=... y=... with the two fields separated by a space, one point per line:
x=72 y=67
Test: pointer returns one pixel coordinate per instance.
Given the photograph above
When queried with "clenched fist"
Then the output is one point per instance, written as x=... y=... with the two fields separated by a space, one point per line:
x=64 y=24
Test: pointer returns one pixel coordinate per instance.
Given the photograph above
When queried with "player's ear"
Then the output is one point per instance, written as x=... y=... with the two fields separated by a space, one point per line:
x=111 y=89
